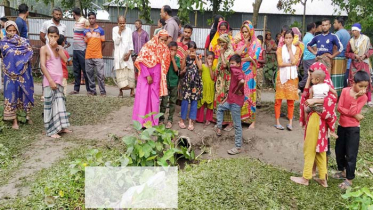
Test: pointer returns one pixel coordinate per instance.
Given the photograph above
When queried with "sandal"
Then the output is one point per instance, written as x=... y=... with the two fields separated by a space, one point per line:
x=339 y=175
x=344 y=185
x=217 y=131
x=289 y=127
x=73 y=92
x=370 y=104
x=279 y=127
x=207 y=123
x=228 y=128
x=191 y=127
x=234 y=151
x=169 y=125
x=121 y=95
x=55 y=136
x=65 y=130
x=182 y=125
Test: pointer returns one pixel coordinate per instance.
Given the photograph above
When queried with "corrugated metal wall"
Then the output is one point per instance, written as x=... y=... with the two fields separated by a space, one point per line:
x=199 y=36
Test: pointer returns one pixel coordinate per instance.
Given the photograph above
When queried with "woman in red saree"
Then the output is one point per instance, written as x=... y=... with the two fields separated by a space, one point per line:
x=316 y=135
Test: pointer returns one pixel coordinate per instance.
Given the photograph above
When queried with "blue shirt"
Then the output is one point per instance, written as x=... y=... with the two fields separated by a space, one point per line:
x=307 y=54
x=344 y=37
x=325 y=43
x=22 y=27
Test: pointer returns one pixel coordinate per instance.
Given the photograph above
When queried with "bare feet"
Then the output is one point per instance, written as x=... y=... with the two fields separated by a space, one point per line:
x=65 y=130
x=322 y=182
x=300 y=180
x=333 y=134
x=252 y=126
x=182 y=125
x=55 y=136
x=15 y=125
x=120 y=94
x=207 y=123
x=132 y=93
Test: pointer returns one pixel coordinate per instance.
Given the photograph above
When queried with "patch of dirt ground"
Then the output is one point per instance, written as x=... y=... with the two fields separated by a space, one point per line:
x=280 y=148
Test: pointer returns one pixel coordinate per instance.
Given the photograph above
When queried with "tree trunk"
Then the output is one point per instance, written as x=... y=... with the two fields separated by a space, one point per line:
x=78 y=4
x=256 y=6
x=6 y=3
x=125 y=11
x=52 y=5
x=215 y=7
x=304 y=18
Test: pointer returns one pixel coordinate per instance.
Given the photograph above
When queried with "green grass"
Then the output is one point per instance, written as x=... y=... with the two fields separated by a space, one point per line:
x=217 y=184
x=70 y=80
x=84 y=111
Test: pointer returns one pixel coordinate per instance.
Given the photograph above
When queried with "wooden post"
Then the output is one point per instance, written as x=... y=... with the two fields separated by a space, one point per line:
x=264 y=26
x=195 y=18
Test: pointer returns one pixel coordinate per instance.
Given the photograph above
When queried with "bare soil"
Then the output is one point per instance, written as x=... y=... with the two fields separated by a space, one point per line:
x=266 y=143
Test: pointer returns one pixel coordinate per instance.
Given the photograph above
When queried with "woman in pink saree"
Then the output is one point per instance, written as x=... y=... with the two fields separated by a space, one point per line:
x=153 y=62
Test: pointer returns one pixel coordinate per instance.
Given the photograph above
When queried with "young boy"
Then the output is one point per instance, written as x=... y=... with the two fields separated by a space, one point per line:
x=233 y=102
x=55 y=117
x=351 y=102
x=61 y=42
x=259 y=73
x=172 y=82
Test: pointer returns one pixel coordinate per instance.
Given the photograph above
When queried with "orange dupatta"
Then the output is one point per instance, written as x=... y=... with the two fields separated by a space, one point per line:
x=152 y=53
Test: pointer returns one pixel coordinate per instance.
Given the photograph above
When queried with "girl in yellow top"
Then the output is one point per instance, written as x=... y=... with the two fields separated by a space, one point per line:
x=288 y=57
x=207 y=100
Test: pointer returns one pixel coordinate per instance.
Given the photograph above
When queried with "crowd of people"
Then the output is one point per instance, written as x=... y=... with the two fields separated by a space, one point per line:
x=222 y=86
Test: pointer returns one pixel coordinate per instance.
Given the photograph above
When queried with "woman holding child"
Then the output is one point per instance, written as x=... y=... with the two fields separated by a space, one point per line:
x=18 y=82
x=288 y=57
x=222 y=77
x=152 y=62
x=223 y=28
x=316 y=135
x=249 y=49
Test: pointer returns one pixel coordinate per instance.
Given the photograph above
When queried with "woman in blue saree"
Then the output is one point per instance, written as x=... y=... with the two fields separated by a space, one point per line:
x=18 y=83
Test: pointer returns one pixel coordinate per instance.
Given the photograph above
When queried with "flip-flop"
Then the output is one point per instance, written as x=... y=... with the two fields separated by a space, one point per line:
x=228 y=128
x=279 y=127
x=289 y=127
x=216 y=131
x=234 y=151
x=344 y=185
x=339 y=175
x=182 y=125
x=169 y=125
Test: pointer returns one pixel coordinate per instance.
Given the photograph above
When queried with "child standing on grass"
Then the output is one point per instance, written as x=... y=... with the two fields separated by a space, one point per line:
x=208 y=81
x=191 y=87
x=172 y=84
x=233 y=103
x=61 y=42
x=351 y=102
x=55 y=117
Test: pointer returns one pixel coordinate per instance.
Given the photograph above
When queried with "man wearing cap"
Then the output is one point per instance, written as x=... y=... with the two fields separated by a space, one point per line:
x=359 y=49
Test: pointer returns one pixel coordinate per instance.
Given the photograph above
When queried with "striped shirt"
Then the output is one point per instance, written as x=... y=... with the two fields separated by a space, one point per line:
x=79 y=28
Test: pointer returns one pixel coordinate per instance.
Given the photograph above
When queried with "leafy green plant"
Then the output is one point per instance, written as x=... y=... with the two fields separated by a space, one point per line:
x=21 y=116
x=269 y=68
x=153 y=146
x=4 y=156
x=359 y=198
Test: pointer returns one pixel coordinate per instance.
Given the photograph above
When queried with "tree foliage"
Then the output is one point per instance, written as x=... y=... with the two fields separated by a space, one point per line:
x=85 y=5
x=185 y=6
x=358 y=11
x=142 y=5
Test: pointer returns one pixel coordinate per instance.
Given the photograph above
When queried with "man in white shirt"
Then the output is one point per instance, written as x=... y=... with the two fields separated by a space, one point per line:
x=123 y=64
x=55 y=21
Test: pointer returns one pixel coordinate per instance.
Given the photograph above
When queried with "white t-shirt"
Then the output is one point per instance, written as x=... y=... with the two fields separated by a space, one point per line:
x=61 y=27
x=320 y=91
